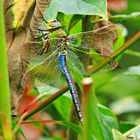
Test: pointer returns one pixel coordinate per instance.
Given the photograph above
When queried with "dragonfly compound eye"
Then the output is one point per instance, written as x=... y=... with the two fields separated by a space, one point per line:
x=54 y=20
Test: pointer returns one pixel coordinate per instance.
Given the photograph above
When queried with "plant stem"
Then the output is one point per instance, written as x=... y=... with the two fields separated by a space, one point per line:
x=40 y=121
x=5 y=108
x=132 y=53
x=44 y=103
x=118 y=52
x=122 y=17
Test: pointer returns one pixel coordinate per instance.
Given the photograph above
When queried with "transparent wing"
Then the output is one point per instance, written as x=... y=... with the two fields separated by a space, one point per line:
x=87 y=60
x=102 y=39
x=46 y=72
x=85 y=50
x=94 y=46
x=44 y=46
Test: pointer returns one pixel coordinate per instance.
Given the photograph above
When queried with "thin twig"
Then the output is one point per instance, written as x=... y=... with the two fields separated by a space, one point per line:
x=44 y=103
x=40 y=121
x=116 y=53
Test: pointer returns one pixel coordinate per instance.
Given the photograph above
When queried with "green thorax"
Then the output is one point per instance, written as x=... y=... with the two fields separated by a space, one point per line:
x=57 y=33
x=60 y=35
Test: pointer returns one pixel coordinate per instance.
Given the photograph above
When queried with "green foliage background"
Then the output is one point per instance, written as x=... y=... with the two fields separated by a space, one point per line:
x=112 y=107
x=119 y=90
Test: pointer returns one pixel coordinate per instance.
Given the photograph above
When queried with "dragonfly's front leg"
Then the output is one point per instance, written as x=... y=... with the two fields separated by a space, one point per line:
x=44 y=35
x=46 y=46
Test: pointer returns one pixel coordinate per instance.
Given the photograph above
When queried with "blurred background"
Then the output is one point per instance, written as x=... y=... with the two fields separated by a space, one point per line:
x=119 y=90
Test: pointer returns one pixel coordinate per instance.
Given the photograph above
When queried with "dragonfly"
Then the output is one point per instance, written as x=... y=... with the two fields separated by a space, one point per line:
x=82 y=50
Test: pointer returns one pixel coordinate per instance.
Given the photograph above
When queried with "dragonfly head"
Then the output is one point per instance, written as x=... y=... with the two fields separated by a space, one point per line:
x=53 y=24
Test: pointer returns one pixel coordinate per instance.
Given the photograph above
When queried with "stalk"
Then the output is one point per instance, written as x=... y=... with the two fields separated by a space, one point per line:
x=118 y=52
x=29 y=112
x=5 y=108
x=132 y=53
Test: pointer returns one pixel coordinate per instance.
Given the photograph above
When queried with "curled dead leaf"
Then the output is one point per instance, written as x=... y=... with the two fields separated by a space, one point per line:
x=17 y=20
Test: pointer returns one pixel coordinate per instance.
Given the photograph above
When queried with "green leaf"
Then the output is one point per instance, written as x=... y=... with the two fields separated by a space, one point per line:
x=52 y=11
x=98 y=120
x=81 y=7
x=62 y=104
x=107 y=83
x=74 y=20
x=84 y=7
x=120 y=41
x=108 y=117
x=117 y=135
x=72 y=126
x=125 y=126
x=77 y=28
x=133 y=134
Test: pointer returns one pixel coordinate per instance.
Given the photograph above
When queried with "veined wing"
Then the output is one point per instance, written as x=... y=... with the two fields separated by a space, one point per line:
x=102 y=39
x=44 y=46
x=89 y=48
x=46 y=71
x=86 y=60
x=93 y=46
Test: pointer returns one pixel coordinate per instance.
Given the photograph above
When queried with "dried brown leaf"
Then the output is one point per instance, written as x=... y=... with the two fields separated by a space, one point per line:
x=17 y=20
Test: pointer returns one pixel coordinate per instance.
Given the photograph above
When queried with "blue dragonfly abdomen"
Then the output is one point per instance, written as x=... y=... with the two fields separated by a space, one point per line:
x=74 y=93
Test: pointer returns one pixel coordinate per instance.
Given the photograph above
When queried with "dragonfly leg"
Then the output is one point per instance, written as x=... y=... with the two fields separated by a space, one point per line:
x=45 y=36
x=45 y=48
